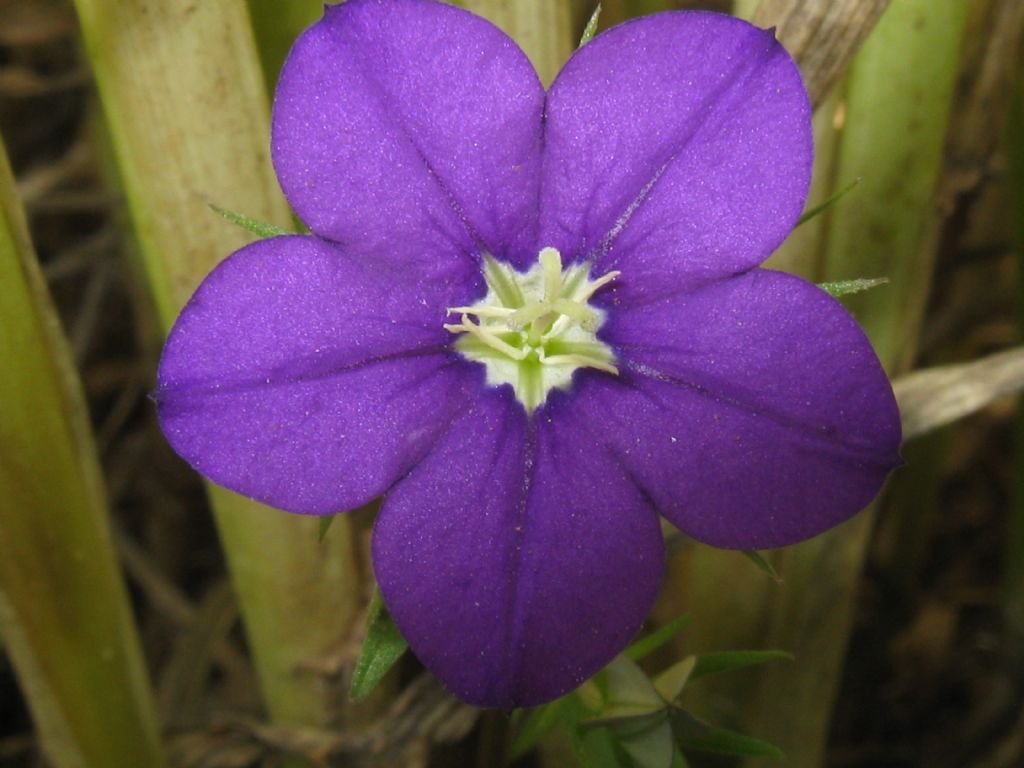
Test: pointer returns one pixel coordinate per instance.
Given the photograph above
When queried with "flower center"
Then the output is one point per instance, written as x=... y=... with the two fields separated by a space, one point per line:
x=534 y=329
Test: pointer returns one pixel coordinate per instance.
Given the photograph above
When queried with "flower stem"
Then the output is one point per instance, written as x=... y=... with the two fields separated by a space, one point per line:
x=185 y=104
x=64 y=613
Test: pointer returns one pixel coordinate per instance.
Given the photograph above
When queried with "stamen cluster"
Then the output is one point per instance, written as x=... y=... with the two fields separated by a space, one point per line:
x=534 y=329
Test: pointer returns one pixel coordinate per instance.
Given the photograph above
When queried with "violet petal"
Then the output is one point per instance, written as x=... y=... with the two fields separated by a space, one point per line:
x=678 y=149
x=410 y=130
x=753 y=412
x=517 y=559
x=305 y=379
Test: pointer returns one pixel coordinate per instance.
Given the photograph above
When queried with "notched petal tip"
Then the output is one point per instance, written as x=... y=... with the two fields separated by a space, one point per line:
x=901 y=461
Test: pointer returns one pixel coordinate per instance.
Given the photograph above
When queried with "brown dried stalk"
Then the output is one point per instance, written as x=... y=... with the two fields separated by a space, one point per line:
x=422 y=715
x=822 y=35
x=934 y=397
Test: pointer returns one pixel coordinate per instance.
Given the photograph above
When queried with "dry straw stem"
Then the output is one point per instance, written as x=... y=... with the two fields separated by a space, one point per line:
x=423 y=715
x=934 y=397
x=822 y=35
x=185 y=104
x=64 y=614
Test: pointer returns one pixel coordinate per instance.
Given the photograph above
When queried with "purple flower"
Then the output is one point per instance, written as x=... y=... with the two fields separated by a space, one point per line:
x=532 y=322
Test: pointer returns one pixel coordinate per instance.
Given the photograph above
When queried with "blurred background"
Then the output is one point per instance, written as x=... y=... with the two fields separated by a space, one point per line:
x=135 y=601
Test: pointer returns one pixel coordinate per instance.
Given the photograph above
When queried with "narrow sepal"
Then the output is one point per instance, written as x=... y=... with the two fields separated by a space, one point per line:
x=382 y=647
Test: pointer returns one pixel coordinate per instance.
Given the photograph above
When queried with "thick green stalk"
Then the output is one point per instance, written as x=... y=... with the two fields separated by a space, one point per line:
x=992 y=42
x=616 y=11
x=185 y=103
x=64 y=613
x=276 y=24
x=543 y=29
x=898 y=102
x=745 y=9
x=897 y=116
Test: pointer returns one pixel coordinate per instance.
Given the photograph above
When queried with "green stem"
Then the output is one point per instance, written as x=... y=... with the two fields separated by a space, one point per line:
x=64 y=613
x=897 y=116
x=745 y=8
x=616 y=11
x=185 y=104
x=276 y=24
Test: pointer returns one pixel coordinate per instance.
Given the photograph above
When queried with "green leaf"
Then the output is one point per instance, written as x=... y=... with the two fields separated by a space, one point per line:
x=628 y=685
x=693 y=734
x=590 y=694
x=651 y=748
x=325 y=523
x=720 y=741
x=844 y=287
x=671 y=682
x=595 y=748
x=65 y=618
x=726 y=661
x=758 y=559
x=591 y=29
x=808 y=215
x=255 y=226
x=645 y=646
x=382 y=647
x=626 y=714
x=536 y=722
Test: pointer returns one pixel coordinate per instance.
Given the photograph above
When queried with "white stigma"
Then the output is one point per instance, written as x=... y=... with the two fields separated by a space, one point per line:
x=534 y=329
